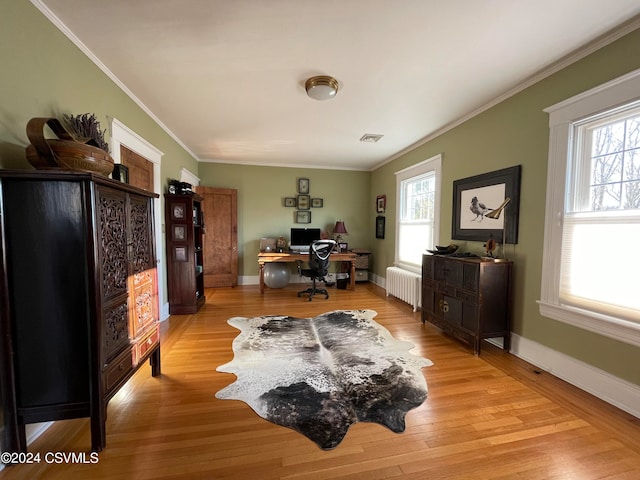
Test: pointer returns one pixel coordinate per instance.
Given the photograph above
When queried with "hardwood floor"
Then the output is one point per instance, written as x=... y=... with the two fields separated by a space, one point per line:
x=487 y=417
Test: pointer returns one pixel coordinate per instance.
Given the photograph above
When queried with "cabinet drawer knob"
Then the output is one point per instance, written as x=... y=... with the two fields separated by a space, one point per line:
x=444 y=306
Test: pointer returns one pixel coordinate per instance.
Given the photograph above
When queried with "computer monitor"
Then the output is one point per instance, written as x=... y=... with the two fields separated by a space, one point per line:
x=301 y=238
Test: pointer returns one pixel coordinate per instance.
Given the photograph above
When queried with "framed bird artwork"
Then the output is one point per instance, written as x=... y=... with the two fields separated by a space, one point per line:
x=487 y=205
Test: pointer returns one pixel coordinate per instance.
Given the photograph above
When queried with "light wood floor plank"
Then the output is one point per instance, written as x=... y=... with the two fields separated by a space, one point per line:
x=488 y=417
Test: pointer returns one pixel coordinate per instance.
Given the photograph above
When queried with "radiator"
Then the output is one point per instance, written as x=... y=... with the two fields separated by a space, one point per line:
x=405 y=285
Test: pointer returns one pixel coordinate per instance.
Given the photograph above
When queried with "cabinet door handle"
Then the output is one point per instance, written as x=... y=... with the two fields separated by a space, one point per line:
x=444 y=306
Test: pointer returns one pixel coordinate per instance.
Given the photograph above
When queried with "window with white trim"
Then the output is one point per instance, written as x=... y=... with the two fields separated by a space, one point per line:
x=418 y=208
x=592 y=220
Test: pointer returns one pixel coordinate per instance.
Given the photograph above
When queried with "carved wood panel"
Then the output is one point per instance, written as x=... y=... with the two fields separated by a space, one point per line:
x=113 y=242
x=116 y=332
x=142 y=255
x=144 y=306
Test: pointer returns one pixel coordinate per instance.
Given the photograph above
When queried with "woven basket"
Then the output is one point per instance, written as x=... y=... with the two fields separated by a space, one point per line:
x=65 y=153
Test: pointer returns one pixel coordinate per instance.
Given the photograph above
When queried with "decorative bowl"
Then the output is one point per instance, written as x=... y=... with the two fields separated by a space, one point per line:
x=64 y=153
x=73 y=156
x=448 y=250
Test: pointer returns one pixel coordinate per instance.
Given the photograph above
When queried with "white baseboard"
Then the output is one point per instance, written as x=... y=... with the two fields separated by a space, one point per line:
x=164 y=311
x=34 y=430
x=601 y=384
x=378 y=280
x=248 y=280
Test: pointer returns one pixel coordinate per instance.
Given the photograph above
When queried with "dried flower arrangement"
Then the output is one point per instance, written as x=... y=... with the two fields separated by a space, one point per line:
x=86 y=129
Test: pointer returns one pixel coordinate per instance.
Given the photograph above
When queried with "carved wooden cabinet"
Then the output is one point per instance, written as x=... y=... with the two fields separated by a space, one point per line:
x=468 y=298
x=184 y=226
x=79 y=296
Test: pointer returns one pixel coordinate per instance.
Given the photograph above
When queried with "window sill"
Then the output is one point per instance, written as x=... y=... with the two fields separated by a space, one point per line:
x=621 y=330
x=409 y=266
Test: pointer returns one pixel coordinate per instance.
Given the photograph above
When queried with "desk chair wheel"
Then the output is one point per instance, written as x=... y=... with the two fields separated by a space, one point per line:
x=313 y=290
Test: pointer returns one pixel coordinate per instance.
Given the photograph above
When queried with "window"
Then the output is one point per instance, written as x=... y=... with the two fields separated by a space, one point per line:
x=592 y=219
x=418 y=204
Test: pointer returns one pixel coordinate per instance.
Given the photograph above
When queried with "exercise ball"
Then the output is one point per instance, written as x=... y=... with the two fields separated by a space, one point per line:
x=276 y=275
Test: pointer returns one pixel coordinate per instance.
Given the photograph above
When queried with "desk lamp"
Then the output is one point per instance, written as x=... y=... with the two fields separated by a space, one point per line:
x=338 y=230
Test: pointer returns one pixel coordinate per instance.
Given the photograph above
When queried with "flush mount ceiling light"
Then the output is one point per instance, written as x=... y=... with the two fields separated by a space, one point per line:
x=321 y=87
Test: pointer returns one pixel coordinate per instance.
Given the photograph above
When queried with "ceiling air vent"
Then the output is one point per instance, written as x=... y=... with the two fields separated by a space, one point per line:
x=370 y=137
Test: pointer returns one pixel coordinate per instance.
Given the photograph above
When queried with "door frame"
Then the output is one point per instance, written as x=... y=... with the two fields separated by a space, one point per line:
x=121 y=135
x=189 y=177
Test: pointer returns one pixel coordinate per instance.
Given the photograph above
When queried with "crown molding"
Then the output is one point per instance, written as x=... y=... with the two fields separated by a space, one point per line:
x=90 y=55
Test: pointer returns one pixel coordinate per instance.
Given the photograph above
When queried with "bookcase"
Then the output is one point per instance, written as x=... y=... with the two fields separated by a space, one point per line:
x=184 y=229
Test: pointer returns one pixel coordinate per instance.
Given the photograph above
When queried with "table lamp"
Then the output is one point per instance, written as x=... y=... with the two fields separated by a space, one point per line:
x=338 y=230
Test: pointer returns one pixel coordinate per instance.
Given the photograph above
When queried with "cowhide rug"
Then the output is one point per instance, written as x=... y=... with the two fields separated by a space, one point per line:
x=320 y=375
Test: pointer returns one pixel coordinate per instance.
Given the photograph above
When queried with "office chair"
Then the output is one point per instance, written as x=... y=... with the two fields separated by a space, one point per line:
x=319 y=252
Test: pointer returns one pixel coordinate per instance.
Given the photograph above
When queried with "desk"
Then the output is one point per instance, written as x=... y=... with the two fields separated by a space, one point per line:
x=270 y=257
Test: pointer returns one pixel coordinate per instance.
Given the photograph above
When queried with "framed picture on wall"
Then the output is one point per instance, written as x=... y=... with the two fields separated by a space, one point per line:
x=317 y=202
x=487 y=204
x=303 y=216
x=289 y=202
x=379 y=226
x=381 y=203
x=304 y=202
x=303 y=185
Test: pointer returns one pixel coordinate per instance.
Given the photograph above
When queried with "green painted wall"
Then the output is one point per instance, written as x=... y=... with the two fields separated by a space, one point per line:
x=261 y=191
x=516 y=132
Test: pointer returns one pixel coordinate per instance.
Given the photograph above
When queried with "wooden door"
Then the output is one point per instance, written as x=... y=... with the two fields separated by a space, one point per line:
x=221 y=236
x=140 y=169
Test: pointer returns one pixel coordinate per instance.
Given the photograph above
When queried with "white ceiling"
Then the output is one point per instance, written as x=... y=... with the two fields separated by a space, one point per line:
x=226 y=77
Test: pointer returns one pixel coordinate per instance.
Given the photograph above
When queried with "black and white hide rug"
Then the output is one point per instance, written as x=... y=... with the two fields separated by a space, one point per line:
x=320 y=375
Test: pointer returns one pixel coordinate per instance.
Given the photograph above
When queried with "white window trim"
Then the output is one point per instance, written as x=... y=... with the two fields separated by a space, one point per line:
x=620 y=91
x=431 y=164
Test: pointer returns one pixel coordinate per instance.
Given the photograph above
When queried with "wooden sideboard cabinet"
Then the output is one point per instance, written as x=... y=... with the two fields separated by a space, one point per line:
x=468 y=298
x=79 y=308
x=184 y=226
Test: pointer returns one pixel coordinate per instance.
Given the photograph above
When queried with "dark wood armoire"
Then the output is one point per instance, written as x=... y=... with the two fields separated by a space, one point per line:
x=79 y=310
